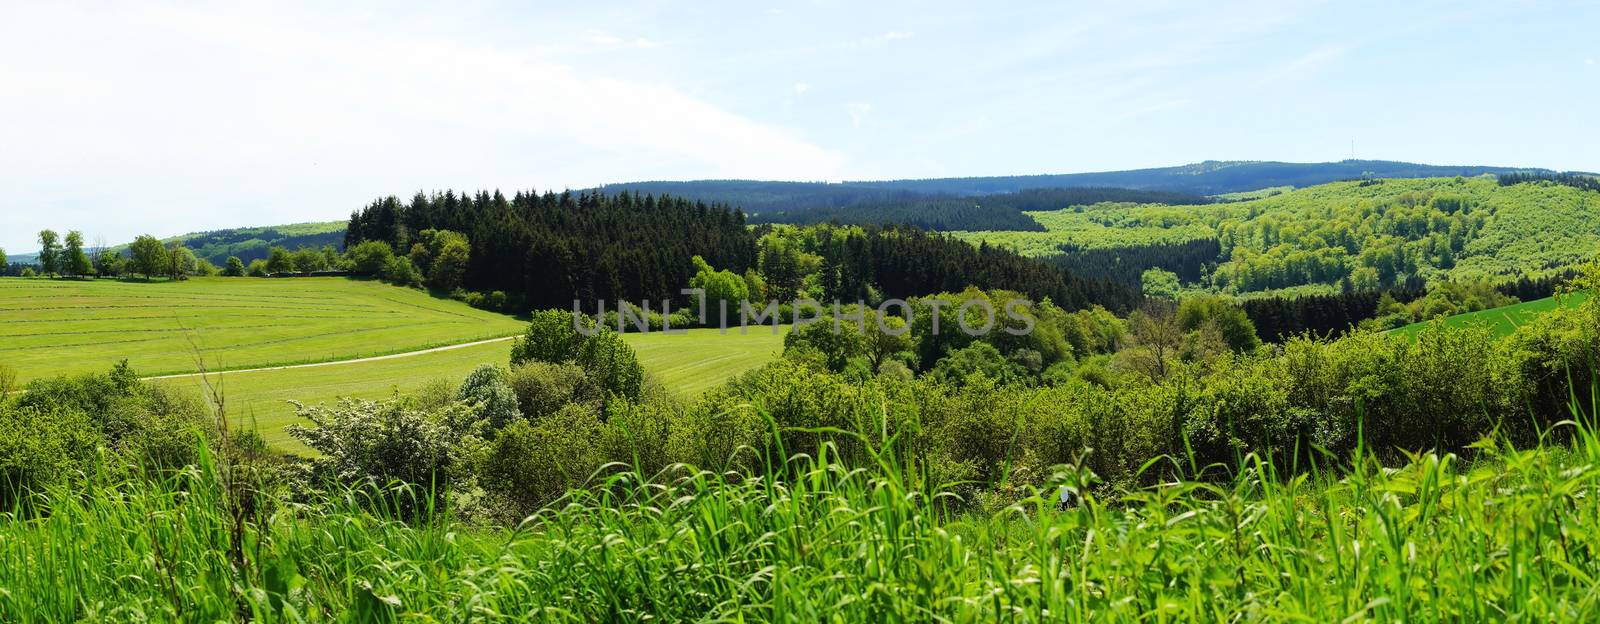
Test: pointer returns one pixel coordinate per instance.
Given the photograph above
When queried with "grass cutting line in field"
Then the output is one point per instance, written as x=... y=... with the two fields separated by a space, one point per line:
x=354 y=361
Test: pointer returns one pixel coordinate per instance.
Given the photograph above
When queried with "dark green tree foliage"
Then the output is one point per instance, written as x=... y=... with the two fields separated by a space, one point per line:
x=1587 y=182
x=1278 y=318
x=903 y=261
x=553 y=249
x=1190 y=260
x=982 y=212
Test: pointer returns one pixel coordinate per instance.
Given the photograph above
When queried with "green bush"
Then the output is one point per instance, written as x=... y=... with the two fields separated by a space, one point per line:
x=532 y=463
x=41 y=448
x=370 y=257
x=486 y=387
x=373 y=445
x=542 y=388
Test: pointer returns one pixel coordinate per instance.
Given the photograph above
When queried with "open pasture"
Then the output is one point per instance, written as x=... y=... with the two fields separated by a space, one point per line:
x=687 y=364
x=51 y=327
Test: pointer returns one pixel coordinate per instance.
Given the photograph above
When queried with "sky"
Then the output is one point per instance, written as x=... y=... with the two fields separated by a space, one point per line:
x=118 y=119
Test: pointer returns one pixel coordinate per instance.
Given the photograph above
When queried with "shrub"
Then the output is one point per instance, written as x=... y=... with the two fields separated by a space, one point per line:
x=608 y=361
x=532 y=463
x=399 y=271
x=836 y=347
x=542 y=388
x=235 y=267
x=373 y=444
x=551 y=337
x=486 y=388
x=980 y=358
x=370 y=257
x=258 y=268
x=41 y=448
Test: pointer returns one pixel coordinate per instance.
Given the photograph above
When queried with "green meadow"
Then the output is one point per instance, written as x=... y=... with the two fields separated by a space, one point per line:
x=1502 y=320
x=687 y=364
x=51 y=327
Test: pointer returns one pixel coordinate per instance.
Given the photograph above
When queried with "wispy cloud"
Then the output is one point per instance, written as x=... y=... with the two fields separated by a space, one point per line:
x=1305 y=64
x=801 y=88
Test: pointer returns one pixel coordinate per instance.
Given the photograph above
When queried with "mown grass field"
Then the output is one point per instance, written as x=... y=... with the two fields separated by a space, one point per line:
x=54 y=327
x=687 y=364
x=1502 y=320
x=51 y=327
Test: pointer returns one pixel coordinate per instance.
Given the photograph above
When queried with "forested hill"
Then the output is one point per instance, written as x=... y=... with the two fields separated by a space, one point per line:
x=248 y=243
x=1206 y=178
x=1003 y=211
x=549 y=250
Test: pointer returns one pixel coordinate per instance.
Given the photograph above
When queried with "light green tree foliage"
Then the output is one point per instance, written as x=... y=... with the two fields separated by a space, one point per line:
x=307 y=259
x=1221 y=314
x=279 y=260
x=785 y=263
x=446 y=254
x=836 y=346
x=3 y=262
x=370 y=257
x=721 y=288
x=148 y=256
x=181 y=262
x=1160 y=283
x=610 y=364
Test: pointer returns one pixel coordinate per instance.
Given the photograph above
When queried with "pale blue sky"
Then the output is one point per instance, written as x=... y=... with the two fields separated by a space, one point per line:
x=122 y=119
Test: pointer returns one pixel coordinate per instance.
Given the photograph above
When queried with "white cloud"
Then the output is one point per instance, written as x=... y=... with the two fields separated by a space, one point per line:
x=800 y=88
x=172 y=120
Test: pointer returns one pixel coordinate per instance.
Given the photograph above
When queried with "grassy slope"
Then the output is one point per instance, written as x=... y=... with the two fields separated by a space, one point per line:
x=688 y=364
x=50 y=327
x=1503 y=320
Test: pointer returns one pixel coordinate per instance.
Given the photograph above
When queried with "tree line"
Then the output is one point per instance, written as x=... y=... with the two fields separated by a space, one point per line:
x=548 y=250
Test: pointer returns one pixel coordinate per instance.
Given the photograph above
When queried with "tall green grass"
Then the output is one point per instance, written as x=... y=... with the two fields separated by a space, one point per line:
x=1509 y=536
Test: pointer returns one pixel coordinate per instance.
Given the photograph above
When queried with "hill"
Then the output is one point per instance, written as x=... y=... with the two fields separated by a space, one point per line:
x=251 y=243
x=248 y=243
x=1205 y=178
x=1365 y=235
